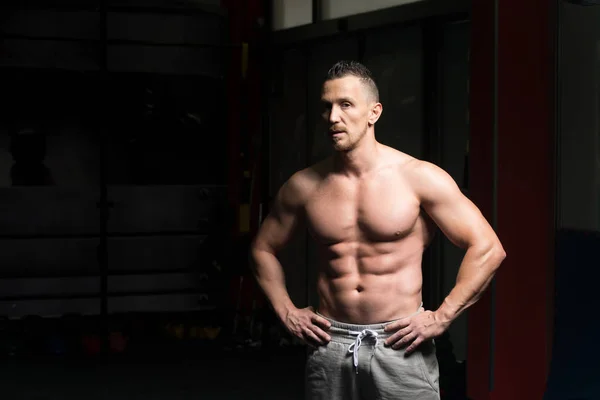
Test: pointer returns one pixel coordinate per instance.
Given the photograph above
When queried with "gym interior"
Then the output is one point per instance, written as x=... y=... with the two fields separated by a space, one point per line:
x=124 y=264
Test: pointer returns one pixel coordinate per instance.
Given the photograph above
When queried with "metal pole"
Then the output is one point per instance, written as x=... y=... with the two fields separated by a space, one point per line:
x=317 y=11
x=103 y=204
x=494 y=191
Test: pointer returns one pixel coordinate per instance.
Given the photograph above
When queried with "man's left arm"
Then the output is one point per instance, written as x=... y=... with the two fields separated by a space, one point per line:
x=464 y=225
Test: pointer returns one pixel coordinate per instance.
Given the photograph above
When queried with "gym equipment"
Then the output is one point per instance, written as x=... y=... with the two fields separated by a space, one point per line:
x=175 y=330
x=204 y=333
x=91 y=345
x=90 y=342
x=54 y=341
x=117 y=342
x=118 y=335
x=57 y=345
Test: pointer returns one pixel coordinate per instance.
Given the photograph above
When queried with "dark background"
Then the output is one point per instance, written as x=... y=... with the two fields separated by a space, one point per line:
x=138 y=155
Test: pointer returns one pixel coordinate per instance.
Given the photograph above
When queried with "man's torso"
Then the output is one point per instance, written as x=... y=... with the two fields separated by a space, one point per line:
x=371 y=233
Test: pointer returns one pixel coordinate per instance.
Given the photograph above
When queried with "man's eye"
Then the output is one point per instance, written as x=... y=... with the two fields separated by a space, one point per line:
x=345 y=105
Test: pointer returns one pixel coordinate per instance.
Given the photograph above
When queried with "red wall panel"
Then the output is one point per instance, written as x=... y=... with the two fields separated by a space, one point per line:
x=525 y=195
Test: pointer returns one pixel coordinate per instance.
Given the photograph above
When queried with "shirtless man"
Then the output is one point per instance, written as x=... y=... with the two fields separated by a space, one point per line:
x=369 y=208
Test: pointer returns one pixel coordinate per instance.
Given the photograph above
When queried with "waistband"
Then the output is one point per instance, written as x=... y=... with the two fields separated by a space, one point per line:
x=346 y=333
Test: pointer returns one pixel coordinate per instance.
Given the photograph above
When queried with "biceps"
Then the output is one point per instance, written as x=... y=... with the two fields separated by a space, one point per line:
x=276 y=231
x=461 y=221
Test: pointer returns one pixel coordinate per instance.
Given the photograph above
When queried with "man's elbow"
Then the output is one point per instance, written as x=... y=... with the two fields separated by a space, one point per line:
x=490 y=252
x=497 y=254
x=259 y=244
x=258 y=249
x=255 y=250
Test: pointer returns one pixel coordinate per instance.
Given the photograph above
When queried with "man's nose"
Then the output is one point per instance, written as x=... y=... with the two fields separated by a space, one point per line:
x=334 y=115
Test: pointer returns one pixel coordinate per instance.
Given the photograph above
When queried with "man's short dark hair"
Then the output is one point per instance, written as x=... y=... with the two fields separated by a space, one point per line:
x=342 y=69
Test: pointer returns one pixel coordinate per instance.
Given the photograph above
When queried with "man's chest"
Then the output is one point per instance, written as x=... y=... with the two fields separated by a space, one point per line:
x=376 y=211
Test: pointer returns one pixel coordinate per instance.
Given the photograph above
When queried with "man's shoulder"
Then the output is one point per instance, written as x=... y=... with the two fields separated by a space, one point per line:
x=416 y=172
x=302 y=183
x=313 y=174
x=427 y=179
x=413 y=167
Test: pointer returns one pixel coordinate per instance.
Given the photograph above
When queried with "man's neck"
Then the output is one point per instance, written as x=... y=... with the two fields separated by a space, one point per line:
x=359 y=160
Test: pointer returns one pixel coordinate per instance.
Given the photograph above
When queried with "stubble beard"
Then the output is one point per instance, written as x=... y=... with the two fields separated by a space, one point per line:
x=348 y=142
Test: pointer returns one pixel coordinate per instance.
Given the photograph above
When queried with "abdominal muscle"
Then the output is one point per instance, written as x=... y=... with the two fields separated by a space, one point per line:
x=361 y=284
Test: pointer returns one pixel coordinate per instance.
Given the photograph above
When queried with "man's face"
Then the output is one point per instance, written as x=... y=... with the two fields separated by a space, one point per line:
x=348 y=110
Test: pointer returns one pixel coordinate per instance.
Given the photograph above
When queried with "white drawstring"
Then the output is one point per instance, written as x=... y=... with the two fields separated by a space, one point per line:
x=356 y=345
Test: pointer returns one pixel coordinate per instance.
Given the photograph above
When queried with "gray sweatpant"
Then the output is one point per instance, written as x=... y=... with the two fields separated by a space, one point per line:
x=356 y=365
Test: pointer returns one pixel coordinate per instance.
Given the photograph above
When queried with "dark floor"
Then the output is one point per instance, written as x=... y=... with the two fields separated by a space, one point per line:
x=273 y=376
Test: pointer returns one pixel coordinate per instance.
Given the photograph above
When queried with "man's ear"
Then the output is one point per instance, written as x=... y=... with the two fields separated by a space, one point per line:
x=376 y=111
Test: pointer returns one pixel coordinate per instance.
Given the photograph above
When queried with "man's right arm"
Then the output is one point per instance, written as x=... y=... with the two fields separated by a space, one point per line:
x=275 y=232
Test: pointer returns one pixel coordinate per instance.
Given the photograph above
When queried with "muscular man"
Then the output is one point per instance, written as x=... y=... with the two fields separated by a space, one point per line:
x=370 y=210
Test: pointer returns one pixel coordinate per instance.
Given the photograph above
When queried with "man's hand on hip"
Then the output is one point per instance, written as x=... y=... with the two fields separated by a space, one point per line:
x=307 y=326
x=413 y=331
